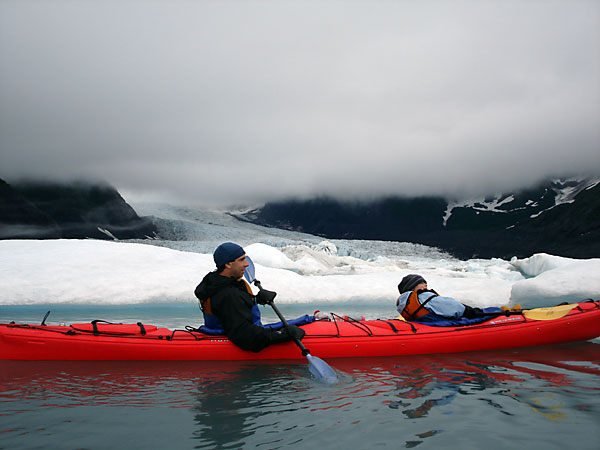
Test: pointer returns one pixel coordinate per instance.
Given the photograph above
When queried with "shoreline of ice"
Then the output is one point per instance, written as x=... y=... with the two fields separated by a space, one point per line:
x=113 y=273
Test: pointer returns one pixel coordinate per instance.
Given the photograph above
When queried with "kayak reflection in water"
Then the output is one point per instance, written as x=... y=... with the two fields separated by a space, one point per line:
x=230 y=307
x=419 y=304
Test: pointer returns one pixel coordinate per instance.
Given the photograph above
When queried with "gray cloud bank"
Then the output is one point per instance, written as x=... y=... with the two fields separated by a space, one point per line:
x=247 y=101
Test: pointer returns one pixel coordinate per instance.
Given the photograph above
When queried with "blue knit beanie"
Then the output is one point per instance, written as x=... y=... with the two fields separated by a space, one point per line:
x=227 y=252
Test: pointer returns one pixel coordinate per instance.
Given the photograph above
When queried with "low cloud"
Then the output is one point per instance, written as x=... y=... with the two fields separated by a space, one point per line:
x=241 y=102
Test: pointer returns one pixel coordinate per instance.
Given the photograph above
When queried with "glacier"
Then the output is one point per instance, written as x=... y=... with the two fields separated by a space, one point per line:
x=303 y=269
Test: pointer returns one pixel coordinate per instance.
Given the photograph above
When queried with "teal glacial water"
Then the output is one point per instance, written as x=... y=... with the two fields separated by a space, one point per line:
x=537 y=398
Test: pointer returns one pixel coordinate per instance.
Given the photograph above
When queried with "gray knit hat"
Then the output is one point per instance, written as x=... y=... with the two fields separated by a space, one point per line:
x=409 y=282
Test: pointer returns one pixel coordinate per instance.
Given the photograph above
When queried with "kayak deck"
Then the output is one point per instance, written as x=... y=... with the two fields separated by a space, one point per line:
x=337 y=338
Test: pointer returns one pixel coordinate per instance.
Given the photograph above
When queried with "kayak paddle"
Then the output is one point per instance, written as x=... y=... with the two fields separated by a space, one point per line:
x=547 y=313
x=319 y=368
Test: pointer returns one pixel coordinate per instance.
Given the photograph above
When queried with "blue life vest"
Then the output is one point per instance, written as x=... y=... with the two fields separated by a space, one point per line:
x=212 y=324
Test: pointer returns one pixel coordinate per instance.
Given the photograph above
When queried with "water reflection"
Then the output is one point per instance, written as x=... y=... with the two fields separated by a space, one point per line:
x=474 y=387
x=229 y=407
x=274 y=405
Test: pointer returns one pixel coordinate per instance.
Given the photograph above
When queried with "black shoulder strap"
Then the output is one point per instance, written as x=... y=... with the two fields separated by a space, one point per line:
x=435 y=294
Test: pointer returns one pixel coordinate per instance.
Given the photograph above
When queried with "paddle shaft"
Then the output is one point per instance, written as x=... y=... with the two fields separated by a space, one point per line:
x=504 y=313
x=548 y=313
x=298 y=342
x=317 y=367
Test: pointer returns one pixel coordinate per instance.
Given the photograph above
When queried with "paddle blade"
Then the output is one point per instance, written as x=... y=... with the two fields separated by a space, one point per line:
x=249 y=273
x=321 y=370
x=550 y=313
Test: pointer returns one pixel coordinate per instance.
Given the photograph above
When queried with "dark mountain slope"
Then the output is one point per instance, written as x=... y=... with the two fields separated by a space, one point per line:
x=558 y=217
x=43 y=210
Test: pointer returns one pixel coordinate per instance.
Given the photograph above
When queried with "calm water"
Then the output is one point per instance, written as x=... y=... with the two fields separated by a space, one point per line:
x=532 y=398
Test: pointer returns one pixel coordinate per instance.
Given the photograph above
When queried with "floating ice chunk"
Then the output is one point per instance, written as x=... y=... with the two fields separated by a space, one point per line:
x=539 y=263
x=268 y=256
x=553 y=279
x=97 y=273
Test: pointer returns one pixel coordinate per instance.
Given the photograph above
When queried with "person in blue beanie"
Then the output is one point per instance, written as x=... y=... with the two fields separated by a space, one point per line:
x=229 y=306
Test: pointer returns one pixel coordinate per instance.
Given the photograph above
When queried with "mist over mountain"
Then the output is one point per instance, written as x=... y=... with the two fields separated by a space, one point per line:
x=51 y=210
x=561 y=217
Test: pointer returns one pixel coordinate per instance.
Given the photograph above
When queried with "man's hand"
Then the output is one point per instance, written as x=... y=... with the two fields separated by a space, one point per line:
x=473 y=313
x=265 y=297
x=287 y=334
x=296 y=332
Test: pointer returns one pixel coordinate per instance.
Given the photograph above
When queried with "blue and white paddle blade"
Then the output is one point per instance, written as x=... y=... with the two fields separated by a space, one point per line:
x=321 y=370
x=249 y=273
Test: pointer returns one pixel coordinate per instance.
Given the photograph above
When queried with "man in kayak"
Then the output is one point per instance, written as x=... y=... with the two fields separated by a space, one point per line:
x=419 y=304
x=230 y=307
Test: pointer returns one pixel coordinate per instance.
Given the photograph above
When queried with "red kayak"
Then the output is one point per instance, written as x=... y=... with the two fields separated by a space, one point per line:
x=333 y=338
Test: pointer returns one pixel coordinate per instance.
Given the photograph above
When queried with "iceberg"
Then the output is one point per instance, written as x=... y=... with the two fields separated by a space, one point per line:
x=549 y=280
x=91 y=272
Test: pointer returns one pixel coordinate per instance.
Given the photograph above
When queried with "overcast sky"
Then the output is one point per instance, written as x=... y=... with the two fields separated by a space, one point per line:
x=247 y=101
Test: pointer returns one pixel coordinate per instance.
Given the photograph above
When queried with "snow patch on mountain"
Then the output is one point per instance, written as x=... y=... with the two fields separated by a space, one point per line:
x=567 y=190
x=480 y=204
x=563 y=190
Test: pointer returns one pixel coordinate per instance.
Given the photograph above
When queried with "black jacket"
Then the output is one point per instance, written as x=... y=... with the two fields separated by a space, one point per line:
x=232 y=305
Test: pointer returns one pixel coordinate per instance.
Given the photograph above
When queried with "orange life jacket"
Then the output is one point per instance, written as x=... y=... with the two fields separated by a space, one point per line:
x=413 y=308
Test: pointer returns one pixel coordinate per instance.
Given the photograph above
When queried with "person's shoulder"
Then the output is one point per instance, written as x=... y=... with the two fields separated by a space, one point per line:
x=405 y=295
x=427 y=294
x=230 y=286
